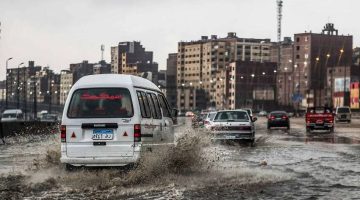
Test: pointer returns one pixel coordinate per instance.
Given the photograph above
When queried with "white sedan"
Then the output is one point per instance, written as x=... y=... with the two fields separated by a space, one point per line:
x=233 y=125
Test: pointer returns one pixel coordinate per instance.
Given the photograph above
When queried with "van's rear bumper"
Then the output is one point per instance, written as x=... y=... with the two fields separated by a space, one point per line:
x=100 y=161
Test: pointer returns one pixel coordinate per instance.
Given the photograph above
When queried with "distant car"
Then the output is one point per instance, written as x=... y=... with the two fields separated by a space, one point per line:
x=278 y=119
x=49 y=118
x=343 y=114
x=209 y=120
x=12 y=115
x=262 y=113
x=248 y=110
x=319 y=118
x=233 y=125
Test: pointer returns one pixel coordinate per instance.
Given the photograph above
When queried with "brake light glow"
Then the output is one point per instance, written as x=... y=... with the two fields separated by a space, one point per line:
x=272 y=117
x=63 y=133
x=284 y=117
x=137 y=133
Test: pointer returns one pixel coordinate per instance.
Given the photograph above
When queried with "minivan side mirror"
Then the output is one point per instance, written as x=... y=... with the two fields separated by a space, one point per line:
x=254 y=119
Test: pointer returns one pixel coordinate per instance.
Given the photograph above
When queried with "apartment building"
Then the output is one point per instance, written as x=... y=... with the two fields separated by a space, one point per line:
x=314 y=54
x=199 y=62
x=251 y=85
x=132 y=58
x=66 y=82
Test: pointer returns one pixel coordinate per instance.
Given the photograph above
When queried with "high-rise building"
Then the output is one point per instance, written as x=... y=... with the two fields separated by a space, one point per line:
x=171 y=79
x=199 y=62
x=131 y=58
x=285 y=68
x=314 y=54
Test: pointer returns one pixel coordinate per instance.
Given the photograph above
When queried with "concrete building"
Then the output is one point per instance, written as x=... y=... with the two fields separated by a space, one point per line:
x=131 y=58
x=314 y=54
x=171 y=92
x=285 y=70
x=198 y=62
x=356 y=56
x=250 y=85
x=18 y=84
x=66 y=82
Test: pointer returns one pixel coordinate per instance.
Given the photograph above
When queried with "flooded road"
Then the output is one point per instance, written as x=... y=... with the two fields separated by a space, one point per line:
x=282 y=165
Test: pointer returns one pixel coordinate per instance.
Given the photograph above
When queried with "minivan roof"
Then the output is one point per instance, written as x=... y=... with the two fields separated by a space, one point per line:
x=114 y=80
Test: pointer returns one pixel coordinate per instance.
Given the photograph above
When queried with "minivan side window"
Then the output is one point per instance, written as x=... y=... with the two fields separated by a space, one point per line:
x=146 y=105
x=157 y=106
x=151 y=105
x=142 y=106
x=164 y=106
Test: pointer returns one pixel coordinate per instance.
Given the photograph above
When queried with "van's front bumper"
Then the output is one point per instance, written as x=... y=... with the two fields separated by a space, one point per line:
x=100 y=161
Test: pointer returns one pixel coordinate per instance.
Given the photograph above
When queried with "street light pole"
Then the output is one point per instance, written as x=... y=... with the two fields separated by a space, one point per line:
x=6 y=83
x=341 y=52
x=18 y=89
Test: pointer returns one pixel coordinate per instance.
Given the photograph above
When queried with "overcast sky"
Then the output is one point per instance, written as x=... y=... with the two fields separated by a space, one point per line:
x=57 y=33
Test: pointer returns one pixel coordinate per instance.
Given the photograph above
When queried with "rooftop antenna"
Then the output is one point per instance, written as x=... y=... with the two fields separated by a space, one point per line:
x=102 y=51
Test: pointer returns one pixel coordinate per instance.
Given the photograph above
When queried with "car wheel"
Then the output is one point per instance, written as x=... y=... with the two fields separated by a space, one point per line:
x=252 y=142
x=268 y=127
x=331 y=130
x=308 y=130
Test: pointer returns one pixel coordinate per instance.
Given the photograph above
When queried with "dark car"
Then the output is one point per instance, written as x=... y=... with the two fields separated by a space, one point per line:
x=278 y=119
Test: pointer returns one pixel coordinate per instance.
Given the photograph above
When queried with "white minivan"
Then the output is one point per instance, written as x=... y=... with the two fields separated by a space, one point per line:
x=109 y=119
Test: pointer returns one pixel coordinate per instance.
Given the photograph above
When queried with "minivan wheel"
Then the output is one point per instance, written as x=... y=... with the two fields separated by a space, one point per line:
x=69 y=167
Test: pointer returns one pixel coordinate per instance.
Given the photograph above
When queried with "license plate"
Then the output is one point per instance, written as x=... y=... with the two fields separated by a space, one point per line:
x=230 y=137
x=102 y=134
x=319 y=121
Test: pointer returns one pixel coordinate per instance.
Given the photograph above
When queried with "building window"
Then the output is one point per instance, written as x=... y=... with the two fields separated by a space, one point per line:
x=297 y=48
x=297 y=56
x=297 y=39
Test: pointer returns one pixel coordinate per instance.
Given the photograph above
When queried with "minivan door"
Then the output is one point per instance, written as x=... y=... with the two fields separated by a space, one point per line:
x=149 y=132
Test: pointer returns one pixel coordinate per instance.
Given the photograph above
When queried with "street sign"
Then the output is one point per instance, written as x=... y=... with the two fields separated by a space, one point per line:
x=296 y=98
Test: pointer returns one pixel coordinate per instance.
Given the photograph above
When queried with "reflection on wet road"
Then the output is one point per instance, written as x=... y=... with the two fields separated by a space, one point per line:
x=283 y=165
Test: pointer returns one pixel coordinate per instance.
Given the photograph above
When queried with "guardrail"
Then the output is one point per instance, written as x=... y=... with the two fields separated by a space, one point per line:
x=26 y=127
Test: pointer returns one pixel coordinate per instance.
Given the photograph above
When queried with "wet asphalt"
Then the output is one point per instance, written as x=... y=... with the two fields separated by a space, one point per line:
x=282 y=165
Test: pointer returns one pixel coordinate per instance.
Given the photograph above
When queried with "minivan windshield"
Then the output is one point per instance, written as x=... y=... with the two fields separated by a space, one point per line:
x=101 y=103
x=232 y=116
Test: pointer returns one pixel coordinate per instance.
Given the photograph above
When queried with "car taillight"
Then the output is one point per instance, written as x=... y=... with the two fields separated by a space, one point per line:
x=284 y=117
x=137 y=133
x=272 y=117
x=63 y=133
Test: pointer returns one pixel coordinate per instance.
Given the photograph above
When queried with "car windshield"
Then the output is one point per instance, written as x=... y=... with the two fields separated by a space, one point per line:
x=101 y=103
x=343 y=110
x=232 y=116
x=211 y=116
x=278 y=114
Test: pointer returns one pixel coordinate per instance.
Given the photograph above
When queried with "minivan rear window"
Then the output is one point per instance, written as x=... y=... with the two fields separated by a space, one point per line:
x=101 y=103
